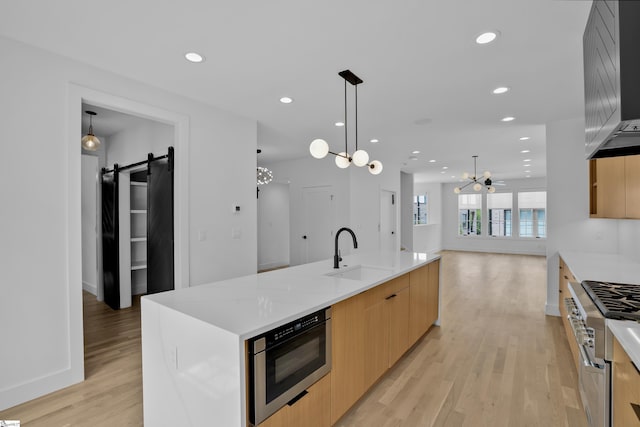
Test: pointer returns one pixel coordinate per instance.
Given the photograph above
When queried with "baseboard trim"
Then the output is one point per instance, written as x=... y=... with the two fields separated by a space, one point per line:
x=21 y=393
x=552 y=310
x=86 y=286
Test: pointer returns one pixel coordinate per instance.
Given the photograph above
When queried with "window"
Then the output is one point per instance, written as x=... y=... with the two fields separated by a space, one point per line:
x=499 y=205
x=532 y=214
x=420 y=209
x=469 y=214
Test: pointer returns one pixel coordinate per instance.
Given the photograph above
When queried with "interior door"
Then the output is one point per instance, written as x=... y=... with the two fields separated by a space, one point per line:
x=160 y=243
x=318 y=215
x=110 y=241
x=387 y=226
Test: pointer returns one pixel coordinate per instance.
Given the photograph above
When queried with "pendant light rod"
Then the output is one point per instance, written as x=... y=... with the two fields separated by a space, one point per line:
x=345 y=118
x=356 y=117
x=475 y=167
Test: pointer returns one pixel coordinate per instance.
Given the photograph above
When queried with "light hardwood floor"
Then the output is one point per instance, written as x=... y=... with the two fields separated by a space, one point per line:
x=497 y=360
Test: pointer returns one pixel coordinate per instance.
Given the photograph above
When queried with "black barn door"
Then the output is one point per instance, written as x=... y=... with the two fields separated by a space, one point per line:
x=160 y=268
x=110 y=250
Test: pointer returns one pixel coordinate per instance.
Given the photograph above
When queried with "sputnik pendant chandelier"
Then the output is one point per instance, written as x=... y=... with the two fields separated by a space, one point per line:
x=477 y=182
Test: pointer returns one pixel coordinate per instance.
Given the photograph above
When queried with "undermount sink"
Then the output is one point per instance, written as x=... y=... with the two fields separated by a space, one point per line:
x=360 y=272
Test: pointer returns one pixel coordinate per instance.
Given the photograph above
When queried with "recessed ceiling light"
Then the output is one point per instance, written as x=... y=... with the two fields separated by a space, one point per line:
x=413 y=158
x=374 y=141
x=526 y=165
x=507 y=119
x=443 y=172
x=527 y=171
x=415 y=152
x=487 y=37
x=432 y=161
x=525 y=151
x=528 y=176
x=339 y=124
x=453 y=176
x=500 y=90
x=526 y=160
x=194 y=57
x=524 y=138
x=286 y=100
x=445 y=167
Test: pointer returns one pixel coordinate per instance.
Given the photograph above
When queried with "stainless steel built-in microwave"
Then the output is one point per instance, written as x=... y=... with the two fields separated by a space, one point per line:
x=287 y=360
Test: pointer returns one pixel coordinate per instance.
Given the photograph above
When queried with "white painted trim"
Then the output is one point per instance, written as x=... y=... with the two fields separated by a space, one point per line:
x=90 y=287
x=551 y=310
x=78 y=94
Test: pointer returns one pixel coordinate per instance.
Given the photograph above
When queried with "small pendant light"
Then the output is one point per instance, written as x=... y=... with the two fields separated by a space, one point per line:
x=90 y=142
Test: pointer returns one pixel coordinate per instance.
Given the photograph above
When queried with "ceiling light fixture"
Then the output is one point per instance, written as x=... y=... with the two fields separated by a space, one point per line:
x=432 y=161
x=500 y=90
x=415 y=152
x=339 y=124
x=194 y=57
x=286 y=100
x=374 y=141
x=524 y=138
x=525 y=151
x=477 y=182
x=90 y=142
x=487 y=37
x=507 y=119
x=263 y=175
x=319 y=147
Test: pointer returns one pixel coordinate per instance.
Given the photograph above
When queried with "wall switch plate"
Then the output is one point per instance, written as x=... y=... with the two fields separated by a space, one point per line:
x=236 y=209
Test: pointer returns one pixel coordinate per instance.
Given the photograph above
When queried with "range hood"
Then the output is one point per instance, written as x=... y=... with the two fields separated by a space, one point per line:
x=611 y=48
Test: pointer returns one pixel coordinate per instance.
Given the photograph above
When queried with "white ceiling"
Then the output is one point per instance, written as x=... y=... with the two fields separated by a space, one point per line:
x=418 y=60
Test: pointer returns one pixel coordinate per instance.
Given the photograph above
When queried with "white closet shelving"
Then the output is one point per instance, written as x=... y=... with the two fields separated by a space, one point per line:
x=138 y=216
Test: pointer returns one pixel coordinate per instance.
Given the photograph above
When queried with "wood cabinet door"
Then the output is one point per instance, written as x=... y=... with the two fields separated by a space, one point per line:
x=433 y=293
x=625 y=388
x=348 y=354
x=398 y=307
x=418 y=297
x=632 y=187
x=611 y=195
x=311 y=410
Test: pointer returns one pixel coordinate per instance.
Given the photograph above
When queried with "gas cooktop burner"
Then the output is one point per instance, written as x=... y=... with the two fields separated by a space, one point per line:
x=615 y=300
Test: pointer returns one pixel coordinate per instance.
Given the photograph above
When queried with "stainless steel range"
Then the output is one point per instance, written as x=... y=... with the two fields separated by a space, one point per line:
x=589 y=307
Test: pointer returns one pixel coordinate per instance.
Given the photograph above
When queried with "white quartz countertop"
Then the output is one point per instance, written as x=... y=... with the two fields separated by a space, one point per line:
x=628 y=334
x=249 y=305
x=602 y=267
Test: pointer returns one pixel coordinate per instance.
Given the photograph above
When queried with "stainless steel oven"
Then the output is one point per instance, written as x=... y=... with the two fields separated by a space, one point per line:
x=287 y=360
x=594 y=373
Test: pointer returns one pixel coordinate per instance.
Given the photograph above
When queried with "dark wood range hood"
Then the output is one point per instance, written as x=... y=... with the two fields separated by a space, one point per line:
x=611 y=47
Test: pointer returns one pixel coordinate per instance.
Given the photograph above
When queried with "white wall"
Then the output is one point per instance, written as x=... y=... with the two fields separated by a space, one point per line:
x=406 y=211
x=273 y=226
x=569 y=226
x=428 y=237
x=89 y=190
x=512 y=245
x=356 y=198
x=131 y=145
x=40 y=296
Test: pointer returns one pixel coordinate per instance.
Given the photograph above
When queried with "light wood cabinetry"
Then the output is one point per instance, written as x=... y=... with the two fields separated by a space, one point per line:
x=424 y=286
x=564 y=277
x=625 y=385
x=348 y=354
x=615 y=187
x=312 y=410
x=372 y=330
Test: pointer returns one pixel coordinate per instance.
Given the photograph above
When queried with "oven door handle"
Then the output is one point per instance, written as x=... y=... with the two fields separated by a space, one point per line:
x=589 y=364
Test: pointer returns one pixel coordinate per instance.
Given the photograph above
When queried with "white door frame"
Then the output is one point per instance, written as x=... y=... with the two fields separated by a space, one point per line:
x=77 y=95
x=394 y=218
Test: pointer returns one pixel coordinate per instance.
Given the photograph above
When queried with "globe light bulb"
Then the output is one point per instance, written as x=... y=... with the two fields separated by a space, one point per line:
x=343 y=160
x=465 y=175
x=360 y=158
x=487 y=174
x=375 y=167
x=477 y=186
x=491 y=189
x=457 y=190
x=319 y=148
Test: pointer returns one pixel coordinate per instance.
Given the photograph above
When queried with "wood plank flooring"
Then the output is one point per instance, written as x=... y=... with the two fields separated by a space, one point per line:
x=111 y=395
x=497 y=360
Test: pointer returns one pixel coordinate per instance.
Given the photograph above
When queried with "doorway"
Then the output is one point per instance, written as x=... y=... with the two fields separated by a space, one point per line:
x=318 y=222
x=387 y=226
x=78 y=97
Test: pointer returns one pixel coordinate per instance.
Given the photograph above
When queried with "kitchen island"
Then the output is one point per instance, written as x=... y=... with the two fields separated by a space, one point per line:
x=193 y=339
